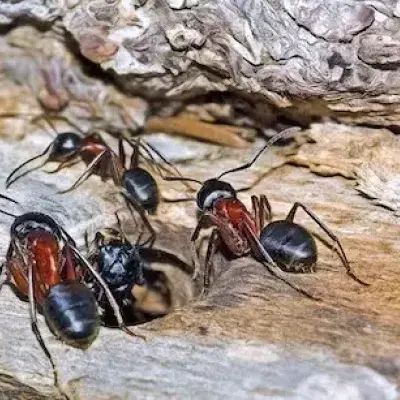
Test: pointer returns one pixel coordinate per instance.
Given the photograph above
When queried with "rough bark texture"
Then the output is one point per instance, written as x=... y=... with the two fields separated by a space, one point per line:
x=252 y=336
x=291 y=57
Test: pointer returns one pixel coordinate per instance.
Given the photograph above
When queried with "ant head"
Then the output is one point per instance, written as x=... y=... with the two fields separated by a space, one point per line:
x=212 y=190
x=26 y=223
x=64 y=146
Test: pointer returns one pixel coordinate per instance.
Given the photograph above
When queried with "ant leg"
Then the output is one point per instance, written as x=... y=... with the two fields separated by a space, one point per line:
x=195 y=256
x=212 y=248
x=258 y=218
x=65 y=164
x=160 y=168
x=117 y=169
x=133 y=205
x=87 y=245
x=135 y=155
x=33 y=317
x=59 y=117
x=329 y=232
x=121 y=152
x=146 y=146
x=85 y=175
x=270 y=264
x=5 y=275
x=266 y=210
x=262 y=212
x=121 y=231
x=111 y=299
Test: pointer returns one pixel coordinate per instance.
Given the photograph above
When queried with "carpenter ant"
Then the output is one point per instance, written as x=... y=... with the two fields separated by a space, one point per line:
x=283 y=245
x=46 y=267
x=121 y=266
x=138 y=187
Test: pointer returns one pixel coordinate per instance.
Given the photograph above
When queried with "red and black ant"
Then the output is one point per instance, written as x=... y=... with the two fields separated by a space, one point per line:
x=281 y=245
x=138 y=187
x=45 y=267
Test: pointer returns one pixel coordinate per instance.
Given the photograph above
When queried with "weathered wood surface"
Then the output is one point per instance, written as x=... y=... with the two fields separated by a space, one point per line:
x=252 y=337
x=283 y=57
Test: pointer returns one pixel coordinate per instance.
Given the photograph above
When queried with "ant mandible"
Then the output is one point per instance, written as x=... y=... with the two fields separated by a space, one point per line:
x=138 y=187
x=281 y=245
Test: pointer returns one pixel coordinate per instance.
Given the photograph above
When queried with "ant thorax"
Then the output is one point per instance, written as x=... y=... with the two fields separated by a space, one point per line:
x=212 y=190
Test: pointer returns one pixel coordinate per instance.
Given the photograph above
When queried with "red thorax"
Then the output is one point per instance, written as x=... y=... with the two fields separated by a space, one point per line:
x=234 y=211
x=92 y=146
x=233 y=221
x=41 y=250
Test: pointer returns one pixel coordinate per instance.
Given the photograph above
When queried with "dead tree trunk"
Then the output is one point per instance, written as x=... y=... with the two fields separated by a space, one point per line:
x=305 y=59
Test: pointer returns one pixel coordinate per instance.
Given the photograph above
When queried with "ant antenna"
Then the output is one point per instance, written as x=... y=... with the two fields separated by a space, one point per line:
x=283 y=134
x=10 y=177
x=2 y=196
x=182 y=178
x=8 y=213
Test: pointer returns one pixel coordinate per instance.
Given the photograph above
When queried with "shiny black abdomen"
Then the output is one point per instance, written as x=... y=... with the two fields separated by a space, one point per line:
x=121 y=267
x=71 y=312
x=142 y=187
x=290 y=245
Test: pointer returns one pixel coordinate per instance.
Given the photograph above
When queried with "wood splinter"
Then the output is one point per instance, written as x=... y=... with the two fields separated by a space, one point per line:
x=227 y=135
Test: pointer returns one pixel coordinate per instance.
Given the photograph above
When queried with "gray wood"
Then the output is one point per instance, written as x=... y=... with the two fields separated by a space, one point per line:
x=252 y=337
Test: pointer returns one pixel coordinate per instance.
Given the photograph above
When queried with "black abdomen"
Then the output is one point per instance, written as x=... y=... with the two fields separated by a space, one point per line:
x=142 y=187
x=290 y=245
x=71 y=312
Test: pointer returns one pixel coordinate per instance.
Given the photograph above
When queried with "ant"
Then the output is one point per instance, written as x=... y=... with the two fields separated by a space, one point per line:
x=121 y=265
x=138 y=187
x=46 y=268
x=281 y=245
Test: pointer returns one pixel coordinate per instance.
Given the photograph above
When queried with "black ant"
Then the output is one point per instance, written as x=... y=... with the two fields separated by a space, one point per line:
x=46 y=268
x=281 y=245
x=121 y=265
x=138 y=187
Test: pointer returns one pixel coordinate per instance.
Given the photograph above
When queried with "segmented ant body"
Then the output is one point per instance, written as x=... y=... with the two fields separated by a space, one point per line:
x=129 y=278
x=281 y=245
x=46 y=267
x=119 y=264
x=42 y=264
x=137 y=185
x=40 y=258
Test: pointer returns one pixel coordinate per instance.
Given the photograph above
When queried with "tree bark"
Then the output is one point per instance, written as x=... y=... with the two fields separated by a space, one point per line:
x=303 y=59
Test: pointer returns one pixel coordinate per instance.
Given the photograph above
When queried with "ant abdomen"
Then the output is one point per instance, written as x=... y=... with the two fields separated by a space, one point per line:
x=291 y=246
x=142 y=188
x=71 y=312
